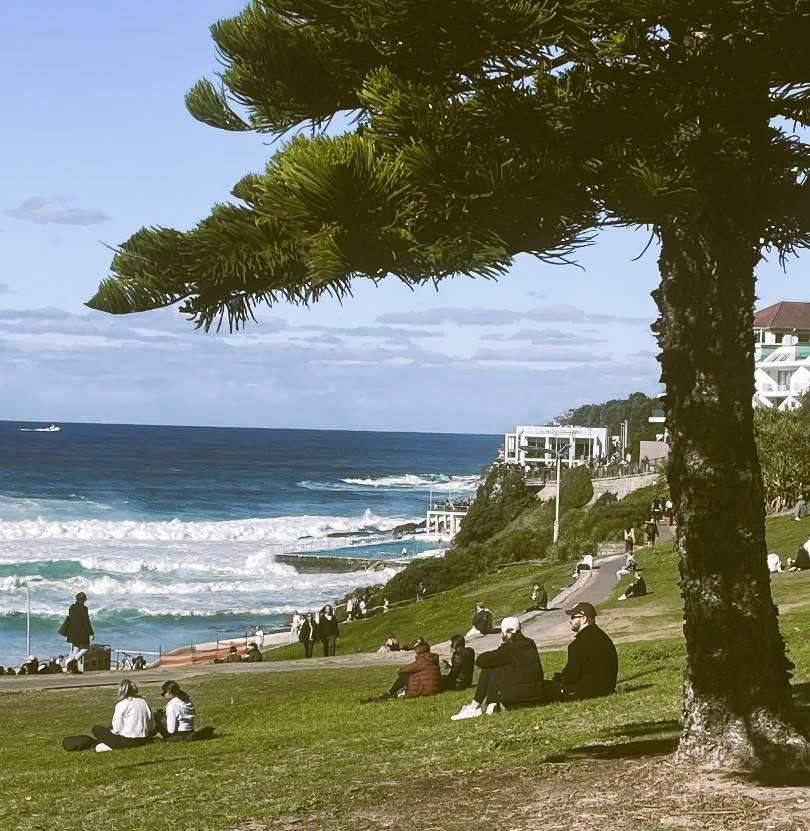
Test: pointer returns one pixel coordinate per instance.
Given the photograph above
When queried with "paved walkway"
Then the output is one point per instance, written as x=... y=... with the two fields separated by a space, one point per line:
x=549 y=629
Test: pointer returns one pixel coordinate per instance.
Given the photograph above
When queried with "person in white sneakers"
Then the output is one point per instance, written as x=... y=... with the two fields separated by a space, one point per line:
x=512 y=674
x=132 y=723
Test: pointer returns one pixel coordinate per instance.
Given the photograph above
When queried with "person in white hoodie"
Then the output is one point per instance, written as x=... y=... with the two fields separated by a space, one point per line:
x=132 y=723
x=177 y=721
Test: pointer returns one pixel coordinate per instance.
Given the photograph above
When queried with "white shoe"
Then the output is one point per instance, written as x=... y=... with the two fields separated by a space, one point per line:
x=467 y=711
x=493 y=708
x=101 y=747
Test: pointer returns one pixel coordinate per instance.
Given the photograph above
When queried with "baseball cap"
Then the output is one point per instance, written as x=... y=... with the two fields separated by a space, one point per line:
x=582 y=609
x=510 y=624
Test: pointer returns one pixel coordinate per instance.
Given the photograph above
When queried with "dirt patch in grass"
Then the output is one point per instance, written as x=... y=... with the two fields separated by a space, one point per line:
x=600 y=794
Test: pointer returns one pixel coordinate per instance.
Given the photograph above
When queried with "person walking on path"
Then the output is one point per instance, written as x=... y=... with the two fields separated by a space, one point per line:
x=651 y=531
x=79 y=633
x=328 y=631
x=629 y=538
x=308 y=634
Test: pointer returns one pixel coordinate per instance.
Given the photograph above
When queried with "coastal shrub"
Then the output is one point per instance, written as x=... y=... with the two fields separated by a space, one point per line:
x=576 y=489
x=502 y=497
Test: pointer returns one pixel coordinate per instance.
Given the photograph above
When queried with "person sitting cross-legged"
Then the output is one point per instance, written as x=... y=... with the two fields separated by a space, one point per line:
x=511 y=674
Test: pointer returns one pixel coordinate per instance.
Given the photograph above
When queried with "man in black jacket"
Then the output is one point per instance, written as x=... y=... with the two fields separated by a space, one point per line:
x=510 y=674
x=593 y=664
x=79 y=633
x=481 y=621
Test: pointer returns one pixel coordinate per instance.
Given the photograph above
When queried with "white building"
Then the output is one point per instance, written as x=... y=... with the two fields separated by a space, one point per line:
x=781 y=354
x=537 y=446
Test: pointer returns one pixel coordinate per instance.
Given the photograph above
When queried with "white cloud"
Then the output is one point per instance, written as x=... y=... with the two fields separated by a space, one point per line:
x=57 y=211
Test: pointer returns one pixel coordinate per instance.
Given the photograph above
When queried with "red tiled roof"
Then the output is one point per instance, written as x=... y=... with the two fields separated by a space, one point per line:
x=783 y=315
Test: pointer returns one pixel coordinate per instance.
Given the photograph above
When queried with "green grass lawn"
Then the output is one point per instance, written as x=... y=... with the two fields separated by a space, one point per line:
x=298 y=744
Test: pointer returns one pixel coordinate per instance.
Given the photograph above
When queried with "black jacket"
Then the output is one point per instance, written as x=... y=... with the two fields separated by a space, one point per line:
x=482 y=621
x=328 y=628
x=308 y=633
x=462 y=665
x=516 y=673
x=79 y=629
x=593 y=665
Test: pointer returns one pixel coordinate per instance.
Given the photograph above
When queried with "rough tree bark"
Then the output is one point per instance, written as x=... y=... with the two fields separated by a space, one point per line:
x=738 y=711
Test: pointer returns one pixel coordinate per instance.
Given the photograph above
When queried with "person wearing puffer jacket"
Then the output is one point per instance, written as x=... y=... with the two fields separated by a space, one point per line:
x=510 y=674
x=420 y=677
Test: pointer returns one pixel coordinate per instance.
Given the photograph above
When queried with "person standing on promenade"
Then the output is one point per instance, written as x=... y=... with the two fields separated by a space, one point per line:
x=328 y=631
x=295 y=626
x=79 y=633
x=592 y=668
x=258 y=638
x=308 y=634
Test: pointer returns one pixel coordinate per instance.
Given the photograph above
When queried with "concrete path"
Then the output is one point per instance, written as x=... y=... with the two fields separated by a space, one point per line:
x=549 y=629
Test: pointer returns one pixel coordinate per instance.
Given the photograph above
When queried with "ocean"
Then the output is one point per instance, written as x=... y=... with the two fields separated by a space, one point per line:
x=172 y=532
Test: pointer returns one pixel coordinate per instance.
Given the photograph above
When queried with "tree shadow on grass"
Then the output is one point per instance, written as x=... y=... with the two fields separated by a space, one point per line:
x=638 y=748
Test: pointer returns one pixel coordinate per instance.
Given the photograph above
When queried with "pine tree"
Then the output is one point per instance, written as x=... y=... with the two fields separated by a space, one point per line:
x=480 y=129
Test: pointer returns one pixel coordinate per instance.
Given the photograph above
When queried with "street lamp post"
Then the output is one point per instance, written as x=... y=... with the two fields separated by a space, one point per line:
x=27 y=620
x=558 y=453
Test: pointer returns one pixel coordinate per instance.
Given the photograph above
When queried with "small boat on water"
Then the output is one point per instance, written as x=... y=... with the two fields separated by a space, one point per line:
x=52 y=429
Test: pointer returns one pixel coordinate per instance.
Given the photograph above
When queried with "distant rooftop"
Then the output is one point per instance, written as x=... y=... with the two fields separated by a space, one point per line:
x=783 y=315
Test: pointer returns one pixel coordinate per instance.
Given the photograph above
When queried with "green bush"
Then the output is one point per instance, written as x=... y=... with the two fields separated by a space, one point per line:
x=576 y=489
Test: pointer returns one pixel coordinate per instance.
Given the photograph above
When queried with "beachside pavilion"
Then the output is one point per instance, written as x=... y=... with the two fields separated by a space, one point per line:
x=536 y=446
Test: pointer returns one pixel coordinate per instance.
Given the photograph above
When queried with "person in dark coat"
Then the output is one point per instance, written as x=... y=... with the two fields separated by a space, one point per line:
x=638 y=588
x=510 y=674
x=308 y=634
x=328 y=630
x=462 y=665
x=79 y=633
x=593 y=664
x=539 y=598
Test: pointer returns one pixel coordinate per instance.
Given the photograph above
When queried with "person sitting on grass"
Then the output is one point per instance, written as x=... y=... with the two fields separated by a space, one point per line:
x=254 y=653
x=585 y=564
x=481 y=621
x=462 y=665
x=592 y=668
x=419 y=678
x=774 y=563
x=391 y=644
x=539 y=598
x=132 y=723
x=638 y=588
x=233 y=657
x=512 y=674
x=802 y=560
x=630 y=566
x=176 y=721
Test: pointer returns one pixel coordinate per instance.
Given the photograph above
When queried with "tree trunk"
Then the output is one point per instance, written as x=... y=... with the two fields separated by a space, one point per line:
x=738 y=711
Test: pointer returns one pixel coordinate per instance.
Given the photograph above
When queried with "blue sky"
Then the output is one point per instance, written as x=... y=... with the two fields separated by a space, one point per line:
x=97 y=143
